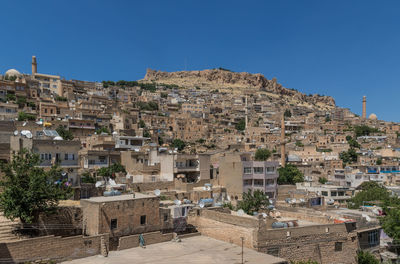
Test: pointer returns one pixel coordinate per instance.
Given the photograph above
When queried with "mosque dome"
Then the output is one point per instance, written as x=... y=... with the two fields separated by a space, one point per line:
x=373 y=117
x=13 y=72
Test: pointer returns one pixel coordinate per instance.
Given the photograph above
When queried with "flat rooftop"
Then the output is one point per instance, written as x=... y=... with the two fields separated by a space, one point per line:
x=198 y=250
x=116 y=198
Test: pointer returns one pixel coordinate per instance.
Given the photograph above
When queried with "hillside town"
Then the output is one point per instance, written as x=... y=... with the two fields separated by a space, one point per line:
x=192 y=161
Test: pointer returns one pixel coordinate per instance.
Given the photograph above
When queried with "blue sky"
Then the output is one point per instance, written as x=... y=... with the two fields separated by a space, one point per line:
x=341 y=48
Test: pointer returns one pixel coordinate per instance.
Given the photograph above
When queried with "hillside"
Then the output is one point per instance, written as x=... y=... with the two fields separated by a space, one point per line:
x=233 y=82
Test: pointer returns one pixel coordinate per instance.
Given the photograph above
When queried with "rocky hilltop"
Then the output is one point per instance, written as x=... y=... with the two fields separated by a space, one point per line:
x=224 y=79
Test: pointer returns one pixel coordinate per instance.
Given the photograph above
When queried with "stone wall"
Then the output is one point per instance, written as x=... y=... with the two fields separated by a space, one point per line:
x=126 y=242
x=51 y=247
x=150 y=186
x=322 y=243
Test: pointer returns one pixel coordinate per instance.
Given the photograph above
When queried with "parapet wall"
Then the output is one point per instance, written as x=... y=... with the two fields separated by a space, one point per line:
x=51 y=247
x=126 y=242
x=150 y=186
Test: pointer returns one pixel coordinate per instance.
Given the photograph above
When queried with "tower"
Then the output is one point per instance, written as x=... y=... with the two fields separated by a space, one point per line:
x=364 y=108
x=34 y=65
x=283 y=150
x=246 y=114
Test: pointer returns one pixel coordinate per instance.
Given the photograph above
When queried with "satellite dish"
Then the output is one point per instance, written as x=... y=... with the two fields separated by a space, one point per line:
x=24 y=124
x=29 y=135
x=16 y=133
x=58 y=138
x=98 y=184
x=294 y=200
x=201 y=204
x=157 y=192
x=270 y=201
x=177 y=202
x=240 y=212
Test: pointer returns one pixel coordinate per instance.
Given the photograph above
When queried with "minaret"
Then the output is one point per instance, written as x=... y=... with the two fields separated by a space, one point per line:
x=245 y=112
x=283 y=150
x=364 y=108
x=34 y=65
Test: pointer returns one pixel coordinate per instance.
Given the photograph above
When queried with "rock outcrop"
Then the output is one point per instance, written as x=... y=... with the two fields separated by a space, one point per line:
x=216 y=79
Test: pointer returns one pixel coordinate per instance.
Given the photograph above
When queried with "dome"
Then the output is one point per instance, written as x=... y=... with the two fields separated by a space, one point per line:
x=373 y=117
x=13 y=72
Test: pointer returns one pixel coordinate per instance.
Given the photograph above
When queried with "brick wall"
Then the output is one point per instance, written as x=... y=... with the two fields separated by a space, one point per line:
x=126 y=242
x=51 y=247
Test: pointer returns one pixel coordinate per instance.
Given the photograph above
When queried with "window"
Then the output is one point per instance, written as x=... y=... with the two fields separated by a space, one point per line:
x=270 y=169
x=258 y=170
x=113 y=224
x=338 y=246
x=373 y=238
x=247 y=182
x=247 y=170
x=333 y=193
x=143 y=220
x=340 y=193
x=66 y=156
x=324 y=193
x=165 y=217
x=258 y=183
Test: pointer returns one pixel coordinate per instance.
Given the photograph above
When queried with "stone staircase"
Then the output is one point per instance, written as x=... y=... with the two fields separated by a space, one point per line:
x=6 y=229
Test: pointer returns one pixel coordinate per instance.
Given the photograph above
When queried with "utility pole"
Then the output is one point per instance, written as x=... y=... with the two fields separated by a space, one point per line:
x=242 y=238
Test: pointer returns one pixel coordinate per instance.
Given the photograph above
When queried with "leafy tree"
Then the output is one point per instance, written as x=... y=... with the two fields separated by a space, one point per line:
x=10 y=97
x=364 y=257
x=22 y=116
x=287 y=113
x=109 y=172
x=322 y=180
x=304 y=262
x=327 y=119
x=262 y=154
x=87 y=178
x=241 y=125
x=379 y=161
x=160 y=141
x=253 y=202
x=349 y=156
x=352 y=142
x=61 y=98
x=29 y=190
x=146 y=133
x=142 y=124
x=370 y=191
x=179 y=144
x=290 y=174
x=103 y=130
x=364 y=130
x=21 y=101
x=299 y=144
x=65 y=134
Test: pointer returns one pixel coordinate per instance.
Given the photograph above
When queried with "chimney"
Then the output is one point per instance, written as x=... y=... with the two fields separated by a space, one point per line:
x=34 y=65
x=364 y=108
x=283 y=150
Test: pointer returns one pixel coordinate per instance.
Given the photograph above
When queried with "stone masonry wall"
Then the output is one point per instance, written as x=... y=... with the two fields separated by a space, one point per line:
x=51 y=247
x=126 y=242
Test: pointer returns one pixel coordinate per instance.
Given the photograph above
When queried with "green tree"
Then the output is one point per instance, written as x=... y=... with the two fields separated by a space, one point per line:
x=352 y=142
x=370 y=191
x=87 y=178
x=21 y=101
x=179 y=144
x=109 y=172
x=262 y=154
x=28 y=190
x=103 y=130
x=290 y=174
x=241 y=125
x=379 y=161
x=65 y=134
x=322 y=180
x=10 y=97
x=365 y=130
x=327 y=119
x=349 y=156
x=142 y=124
x=22 y=116
x=304 y=262
x=253 y=202
x=364 y=257
x=299 y=144
x=160 y=141
x=287 y=113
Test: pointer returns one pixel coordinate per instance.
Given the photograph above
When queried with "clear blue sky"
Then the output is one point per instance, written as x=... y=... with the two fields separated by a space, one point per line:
x=341 y=48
